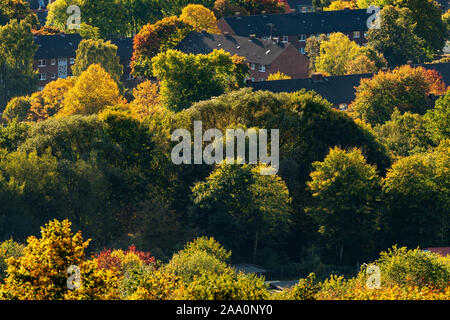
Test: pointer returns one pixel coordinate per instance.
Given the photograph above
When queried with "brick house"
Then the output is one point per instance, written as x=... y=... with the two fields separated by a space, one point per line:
x=56 y=56
x=296 y=27
x=300 y=6
x=264 y=57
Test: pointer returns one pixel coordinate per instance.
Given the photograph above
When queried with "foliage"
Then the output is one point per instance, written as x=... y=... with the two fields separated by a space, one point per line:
x=438 y=119
x=200 y=18
x=147 y=100
x=341 y=5
x=98 y=52
x=8 y=249
x=227 y=285
x=17 y=108
x=405 y=88
x=188 y=78
x=278 y=76
x=305 y=289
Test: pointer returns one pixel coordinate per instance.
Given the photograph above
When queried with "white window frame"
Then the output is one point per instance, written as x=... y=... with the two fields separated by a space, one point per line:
x=42 y=63
x=302 y=38
x=302 y=50
x=42 y=76
x=53 y=76
x=262 y=68
x=285 y=39
x=53 y=62
x=72 y=60
x=356 y=34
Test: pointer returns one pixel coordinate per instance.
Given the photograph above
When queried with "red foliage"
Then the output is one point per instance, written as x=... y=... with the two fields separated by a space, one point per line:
x=106 y=261
x=144 y=256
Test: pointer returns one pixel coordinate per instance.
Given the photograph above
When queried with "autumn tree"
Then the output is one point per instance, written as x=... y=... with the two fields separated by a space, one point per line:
x=395 y=38
x=341 y=5
x=345 y=190
x=17 y=108
x=42 y=272
x=94 y=90
x=200 y=18
x=405 y=88
x=17 y=49
x=312 y=49
x=17 y=10
x=187 y=78
x=98 y=52
x=237 y=200
x=337 y=56
x=278 y=76
x=146 y=99
x=153 y=39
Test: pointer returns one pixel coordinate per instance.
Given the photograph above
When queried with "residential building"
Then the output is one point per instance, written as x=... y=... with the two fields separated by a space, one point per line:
x=56 y=56
x=264 y=57
x=298 y=6
x=295 y=28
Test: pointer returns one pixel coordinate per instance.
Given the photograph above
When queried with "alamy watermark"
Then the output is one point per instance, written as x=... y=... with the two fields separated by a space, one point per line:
x=213 y=153
x=74 y=277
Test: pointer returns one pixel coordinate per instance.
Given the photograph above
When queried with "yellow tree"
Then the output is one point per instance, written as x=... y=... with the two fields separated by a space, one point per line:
x=48 y=102
x=146 y=100
x=41 y=273
x=278 y=76
x=341 y=5
x=94 y=90
x=200 y=18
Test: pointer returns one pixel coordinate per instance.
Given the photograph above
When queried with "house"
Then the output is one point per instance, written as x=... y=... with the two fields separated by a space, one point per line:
x=56 y=54
x=300 y=6
x=297 y=27
x=339 y=90
x=263 y=56
x=248 y=268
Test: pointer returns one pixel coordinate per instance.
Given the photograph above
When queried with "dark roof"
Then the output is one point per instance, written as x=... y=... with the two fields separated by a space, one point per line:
x=254 y=50
x=294 y=4
x=36 y=4
x=65 y=45
x=55 y=46
x=124 y=47
x=336 y=89
x=443 y=69
x=248 y=268
x=299 y=23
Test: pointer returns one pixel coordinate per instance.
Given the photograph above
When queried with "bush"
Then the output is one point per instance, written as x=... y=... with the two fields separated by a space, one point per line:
x=305 y=289
x=8 y=249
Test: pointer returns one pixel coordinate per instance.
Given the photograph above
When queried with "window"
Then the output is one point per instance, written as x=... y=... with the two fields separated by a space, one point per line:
x=72 y=60
x=304 y=9
x=252 y=66
x=53 y=62
x=302 y=37
x=262 y=68
x=53 y=76
x=253 y=79
x=365 y=34
x=356 y=34
x=302 y=50
x=42 y=76
x=285 y=39
x=261 y=79
x=42 y=63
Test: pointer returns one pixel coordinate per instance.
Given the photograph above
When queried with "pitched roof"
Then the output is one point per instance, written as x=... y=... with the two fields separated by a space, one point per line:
x=299 y=23
x=336 y=89
x=294 y=4
x=55 y=46
x=254 y=50
x=65 y=45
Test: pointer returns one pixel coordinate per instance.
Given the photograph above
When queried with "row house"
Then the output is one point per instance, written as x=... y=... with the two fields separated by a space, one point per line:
x=295 y=28
x=56 y=54
x=264 y=57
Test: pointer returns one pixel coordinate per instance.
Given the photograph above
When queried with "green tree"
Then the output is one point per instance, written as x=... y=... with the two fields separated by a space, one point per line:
x=345 y=190
x=187 y=78
x=17 y=49
x=98 y=52
x=17 y=108
x=17 y=10
x=404 y=135
x=438 y=119
x=395 y=38
x=237 y=204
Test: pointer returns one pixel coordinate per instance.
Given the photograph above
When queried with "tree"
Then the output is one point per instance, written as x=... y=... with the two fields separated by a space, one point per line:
x=41 y=273
x=339 y=54
x=416 y=195
x=405 y=88
x=200 y=18
x=312 y=49
x=438 y=119
x=141 y=12
x=17 y=108
x=278 y=76
x=17 y=10
x=236 y=204
x=341 y=5
x=361 y=64
x=57 y=13
x=427 y=16
x=404 y=135
x=147 y=100
x=8 y=249
x=187 y=78
x=98 y=52
x=395 y=38
x=17 y=49
x=153 y=39
x=94 y=90
x=345 y=190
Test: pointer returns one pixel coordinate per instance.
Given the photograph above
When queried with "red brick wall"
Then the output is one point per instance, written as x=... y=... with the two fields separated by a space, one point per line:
x=292 y=63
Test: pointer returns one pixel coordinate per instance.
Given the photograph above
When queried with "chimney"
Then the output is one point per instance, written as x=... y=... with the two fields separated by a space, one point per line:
x=317 y=77
x=237 y=13
x=226 y=33
x=253 y=36
x=409 y=62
